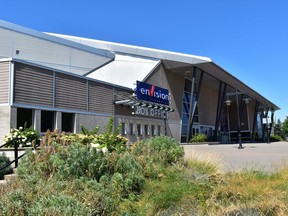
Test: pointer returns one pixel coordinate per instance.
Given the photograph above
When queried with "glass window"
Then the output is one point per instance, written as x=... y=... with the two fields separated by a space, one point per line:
x=131 y=129
x=123 y=129
x=146 y=129
x=68 y=122
x=24 y=117
x=153 y=130
x=139 y=129
x=159 y=130
x=47 y=121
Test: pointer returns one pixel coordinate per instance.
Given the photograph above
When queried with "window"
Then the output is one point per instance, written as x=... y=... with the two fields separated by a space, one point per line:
x=68 y=122
x=47 y=121
x=123 y=129
x=186 y=109
x=131 y=126
x=139 y=129
x=24 y=117
x=153 y=130
x=146 y=129
x=159 y=130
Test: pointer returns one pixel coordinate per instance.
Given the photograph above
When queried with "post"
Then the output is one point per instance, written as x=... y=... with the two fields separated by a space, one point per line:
x=16 y=153
x=239 y=121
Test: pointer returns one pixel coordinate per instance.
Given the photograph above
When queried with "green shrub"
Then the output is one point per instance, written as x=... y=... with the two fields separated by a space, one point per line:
x=58 y=205
x=198 y=138
x=108 y=141
x=157 y=153
x=3 y=161
x=275 y=138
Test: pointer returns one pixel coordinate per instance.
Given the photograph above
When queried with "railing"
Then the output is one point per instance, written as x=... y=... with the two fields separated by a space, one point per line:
x=16 y=157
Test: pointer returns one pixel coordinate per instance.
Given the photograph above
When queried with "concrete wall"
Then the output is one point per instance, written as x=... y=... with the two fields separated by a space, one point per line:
x=5 y=117
x=174 y=83
x=208 y=100
x=134 y=136
x=91 y=121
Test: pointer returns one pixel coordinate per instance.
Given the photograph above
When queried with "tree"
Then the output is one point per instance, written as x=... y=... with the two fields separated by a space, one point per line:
x=285 y=127
x=278 y=128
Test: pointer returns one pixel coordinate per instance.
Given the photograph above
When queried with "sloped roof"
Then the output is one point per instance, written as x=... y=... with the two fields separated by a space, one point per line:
x=125 y=70
x=137 y=50
x=126 y=73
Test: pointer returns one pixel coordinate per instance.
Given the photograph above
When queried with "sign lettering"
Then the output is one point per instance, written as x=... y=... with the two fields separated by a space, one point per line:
x=152 y=93
x=150 y=112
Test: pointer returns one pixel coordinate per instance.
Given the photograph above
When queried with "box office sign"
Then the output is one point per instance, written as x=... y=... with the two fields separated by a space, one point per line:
x=150 y=112
x=152 y=93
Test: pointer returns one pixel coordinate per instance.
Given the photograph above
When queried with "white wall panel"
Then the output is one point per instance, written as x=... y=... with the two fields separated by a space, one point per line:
x=48 y=52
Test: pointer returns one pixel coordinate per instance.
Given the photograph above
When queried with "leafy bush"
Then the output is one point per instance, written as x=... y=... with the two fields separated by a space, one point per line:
x=157 y=153
x=58 y=205
x=108 y=141
x=275 y=138
x=199 y=138
x=117 y=176
x=24 y=137
x=3 y=161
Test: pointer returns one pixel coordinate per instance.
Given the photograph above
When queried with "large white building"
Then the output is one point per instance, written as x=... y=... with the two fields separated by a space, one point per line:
x=57 y=81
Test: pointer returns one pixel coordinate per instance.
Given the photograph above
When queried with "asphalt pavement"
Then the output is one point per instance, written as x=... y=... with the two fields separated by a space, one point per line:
x=257 y=156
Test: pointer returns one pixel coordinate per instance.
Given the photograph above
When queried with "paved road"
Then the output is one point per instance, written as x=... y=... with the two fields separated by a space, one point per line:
x=259 y=156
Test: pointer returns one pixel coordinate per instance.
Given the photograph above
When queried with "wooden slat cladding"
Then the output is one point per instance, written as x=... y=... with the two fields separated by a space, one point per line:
x=4 y=81
x=33 y=85
x=122 y=92
x=71 y=92
x=100 y=98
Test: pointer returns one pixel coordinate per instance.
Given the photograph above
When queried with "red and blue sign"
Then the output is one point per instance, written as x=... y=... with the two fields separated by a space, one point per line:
x=152 y=93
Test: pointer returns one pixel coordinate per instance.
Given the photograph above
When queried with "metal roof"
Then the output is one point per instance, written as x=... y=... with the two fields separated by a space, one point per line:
x=172 y=60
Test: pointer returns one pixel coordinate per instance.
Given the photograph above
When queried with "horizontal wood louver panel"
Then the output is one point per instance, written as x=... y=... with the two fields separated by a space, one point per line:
x=4 y=81
x=71 y=92
x=123 y=93
x=100 y=98
x=33 y=85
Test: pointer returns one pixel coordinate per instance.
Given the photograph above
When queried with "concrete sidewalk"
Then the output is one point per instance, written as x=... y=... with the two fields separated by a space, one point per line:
x=259 y=156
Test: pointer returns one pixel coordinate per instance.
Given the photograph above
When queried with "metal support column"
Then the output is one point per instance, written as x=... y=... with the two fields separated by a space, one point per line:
x=193 y=105
x=221 y=98
x=264 y=125
x=239 y=123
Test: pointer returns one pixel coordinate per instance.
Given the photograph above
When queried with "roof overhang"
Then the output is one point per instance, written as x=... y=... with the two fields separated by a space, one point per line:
x=177 y=62
x=220 y=74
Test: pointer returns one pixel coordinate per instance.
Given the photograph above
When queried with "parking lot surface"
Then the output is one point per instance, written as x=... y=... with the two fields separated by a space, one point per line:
x=257 y=156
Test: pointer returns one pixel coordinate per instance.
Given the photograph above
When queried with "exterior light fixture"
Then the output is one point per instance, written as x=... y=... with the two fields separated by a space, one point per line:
x=247 y=100
x=228 y=102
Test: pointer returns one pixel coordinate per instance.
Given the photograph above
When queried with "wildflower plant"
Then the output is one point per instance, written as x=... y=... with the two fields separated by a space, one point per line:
x=23 y=137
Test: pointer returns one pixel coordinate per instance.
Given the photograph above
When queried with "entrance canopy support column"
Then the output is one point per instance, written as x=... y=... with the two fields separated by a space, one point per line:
x=193 y=104
x=239 y=120
x=221 y=99
x=264 y=125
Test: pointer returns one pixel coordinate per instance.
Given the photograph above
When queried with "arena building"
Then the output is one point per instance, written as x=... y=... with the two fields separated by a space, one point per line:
x=52 y=81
